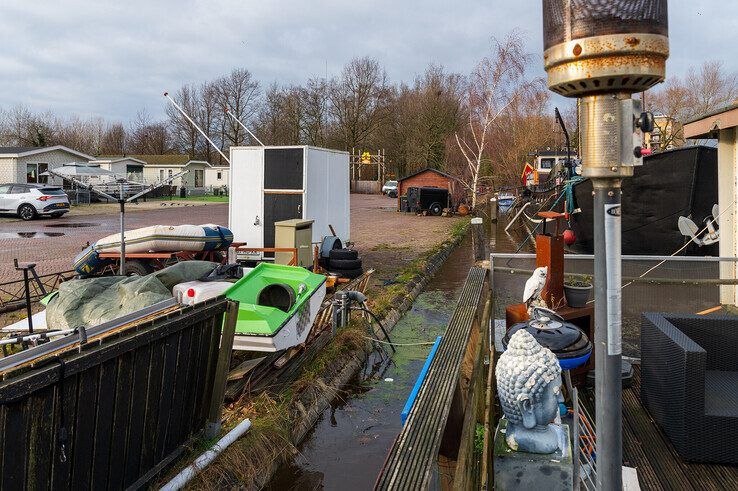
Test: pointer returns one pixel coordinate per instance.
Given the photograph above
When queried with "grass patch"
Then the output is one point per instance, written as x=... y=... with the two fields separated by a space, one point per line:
x=388 y=247
x=267 y=440
x=347 y=340
x=386 y=298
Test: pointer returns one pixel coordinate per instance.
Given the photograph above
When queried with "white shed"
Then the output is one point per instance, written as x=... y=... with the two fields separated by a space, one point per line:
x=270 y=184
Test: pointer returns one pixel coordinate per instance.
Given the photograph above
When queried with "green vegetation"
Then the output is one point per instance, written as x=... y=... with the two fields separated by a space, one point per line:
x=578 y=280
x=391 y=296
x=479 y=438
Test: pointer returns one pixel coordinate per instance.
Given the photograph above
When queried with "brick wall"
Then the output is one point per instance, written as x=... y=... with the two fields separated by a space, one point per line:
x=427 y=178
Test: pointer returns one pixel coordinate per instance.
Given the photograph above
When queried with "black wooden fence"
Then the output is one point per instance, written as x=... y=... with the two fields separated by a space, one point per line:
x=104 y=417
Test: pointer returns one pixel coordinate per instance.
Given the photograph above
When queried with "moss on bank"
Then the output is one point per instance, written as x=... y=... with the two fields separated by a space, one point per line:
x=384 y=299
x=274 y=417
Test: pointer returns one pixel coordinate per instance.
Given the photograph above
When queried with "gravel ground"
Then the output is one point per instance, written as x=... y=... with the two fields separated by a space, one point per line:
x=387 y=240
x=53 y=243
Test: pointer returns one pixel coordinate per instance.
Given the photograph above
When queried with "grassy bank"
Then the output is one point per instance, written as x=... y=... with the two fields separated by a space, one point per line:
x=383 y=298
x=280 y=420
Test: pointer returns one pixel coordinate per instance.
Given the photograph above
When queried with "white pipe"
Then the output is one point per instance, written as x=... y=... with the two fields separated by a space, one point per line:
x=205 y=459
x=166 y=94
x=229 y=113
x=516 y=216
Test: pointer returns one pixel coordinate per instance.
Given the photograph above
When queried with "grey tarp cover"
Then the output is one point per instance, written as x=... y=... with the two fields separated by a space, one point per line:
x=92 y=301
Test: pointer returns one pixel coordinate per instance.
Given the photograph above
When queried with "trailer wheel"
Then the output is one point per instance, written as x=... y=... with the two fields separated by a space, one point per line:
x=435 y=209
x=343 y=254
x=344 y=264
x=137 y=268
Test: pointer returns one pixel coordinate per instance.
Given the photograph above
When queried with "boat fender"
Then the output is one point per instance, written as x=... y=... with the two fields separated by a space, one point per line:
x=569 y=237
x=278 y=295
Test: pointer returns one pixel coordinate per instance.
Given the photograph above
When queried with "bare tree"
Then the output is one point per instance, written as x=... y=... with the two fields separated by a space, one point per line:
x=494 y=86
x=239 y=93
x=710 y=87
x=210 y=117
x=678 y=100
x=359 y=101
x=113 y=140
x=148 y=137
x=315 y=112
x=184 y=135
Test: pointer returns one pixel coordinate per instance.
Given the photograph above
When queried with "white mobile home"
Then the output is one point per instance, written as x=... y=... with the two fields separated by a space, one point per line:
x=125 y=167
x=29 y=164
x=270 y=184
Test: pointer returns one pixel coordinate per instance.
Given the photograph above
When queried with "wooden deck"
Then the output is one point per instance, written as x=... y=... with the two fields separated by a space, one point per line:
x=646 y=447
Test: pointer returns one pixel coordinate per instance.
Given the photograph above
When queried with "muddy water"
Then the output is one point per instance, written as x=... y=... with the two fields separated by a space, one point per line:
x=348 y=446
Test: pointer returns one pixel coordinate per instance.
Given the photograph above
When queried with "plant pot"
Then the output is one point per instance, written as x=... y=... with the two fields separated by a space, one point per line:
x=577 y=296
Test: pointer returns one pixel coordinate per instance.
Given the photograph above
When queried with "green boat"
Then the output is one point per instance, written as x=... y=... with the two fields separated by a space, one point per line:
x=277 y=306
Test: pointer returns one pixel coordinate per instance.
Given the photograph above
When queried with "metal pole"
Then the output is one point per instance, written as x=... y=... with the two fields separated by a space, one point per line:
x=28 y=297
x=608 y=384
x=229 y=113
x=166 y=94
x=122 y=202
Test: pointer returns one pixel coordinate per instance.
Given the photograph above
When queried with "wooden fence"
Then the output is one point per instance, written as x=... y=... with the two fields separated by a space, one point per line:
x=366 y=187
x=111 y=415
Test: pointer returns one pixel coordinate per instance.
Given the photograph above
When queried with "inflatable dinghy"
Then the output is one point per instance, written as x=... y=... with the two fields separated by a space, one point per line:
x=158 y=238
x=277 y=306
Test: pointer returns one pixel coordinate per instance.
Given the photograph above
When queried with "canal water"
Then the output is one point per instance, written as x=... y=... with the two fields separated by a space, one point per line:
x=347 y=447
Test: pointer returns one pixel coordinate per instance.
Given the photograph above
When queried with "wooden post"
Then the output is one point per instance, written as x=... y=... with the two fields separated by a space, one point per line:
x=480 y=245
x=212 y=429
x=493 y=209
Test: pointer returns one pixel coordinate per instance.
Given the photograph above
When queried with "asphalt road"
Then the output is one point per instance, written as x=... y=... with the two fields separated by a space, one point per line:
x=53 y=243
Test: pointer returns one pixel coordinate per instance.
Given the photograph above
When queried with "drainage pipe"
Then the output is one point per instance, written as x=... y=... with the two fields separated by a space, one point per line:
x=205 y=459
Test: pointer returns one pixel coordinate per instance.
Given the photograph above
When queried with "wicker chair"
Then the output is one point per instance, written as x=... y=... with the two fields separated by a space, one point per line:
x=689 y=383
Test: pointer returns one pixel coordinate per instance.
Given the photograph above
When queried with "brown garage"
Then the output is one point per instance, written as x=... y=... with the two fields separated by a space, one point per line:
x=432 y=178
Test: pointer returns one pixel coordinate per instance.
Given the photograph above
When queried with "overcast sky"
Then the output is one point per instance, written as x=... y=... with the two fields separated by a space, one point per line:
x=112 y=58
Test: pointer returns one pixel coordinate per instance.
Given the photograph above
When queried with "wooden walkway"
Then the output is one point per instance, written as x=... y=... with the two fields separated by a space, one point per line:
x=413 y=462
x=647 y=448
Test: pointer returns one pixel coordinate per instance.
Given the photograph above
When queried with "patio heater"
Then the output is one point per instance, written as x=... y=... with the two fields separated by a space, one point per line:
x=603 y=51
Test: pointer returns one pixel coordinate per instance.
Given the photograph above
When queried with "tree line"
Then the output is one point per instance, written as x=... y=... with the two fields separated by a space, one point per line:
x=422 y=123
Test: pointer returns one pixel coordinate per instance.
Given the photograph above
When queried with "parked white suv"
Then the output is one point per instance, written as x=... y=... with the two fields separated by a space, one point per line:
x=31 y=200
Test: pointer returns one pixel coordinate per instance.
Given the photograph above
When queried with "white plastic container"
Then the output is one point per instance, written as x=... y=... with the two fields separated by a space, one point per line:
x=192 y=292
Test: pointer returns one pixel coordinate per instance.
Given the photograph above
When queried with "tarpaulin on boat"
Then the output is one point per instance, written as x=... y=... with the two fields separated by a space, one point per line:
x=92 y=301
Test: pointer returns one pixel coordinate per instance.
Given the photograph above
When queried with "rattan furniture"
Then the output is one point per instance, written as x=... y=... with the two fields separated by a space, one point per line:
x=689 y=383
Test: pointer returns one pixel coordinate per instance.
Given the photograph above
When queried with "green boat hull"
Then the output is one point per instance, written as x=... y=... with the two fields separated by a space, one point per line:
x=265 y=328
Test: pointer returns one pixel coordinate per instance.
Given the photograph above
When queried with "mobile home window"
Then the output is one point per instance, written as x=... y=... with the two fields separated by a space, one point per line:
x=33 y=171
x=170 y=173
x=161 y=174
x=219 y=176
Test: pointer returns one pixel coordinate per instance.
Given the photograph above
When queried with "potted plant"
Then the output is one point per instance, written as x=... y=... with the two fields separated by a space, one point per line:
x=577 y=290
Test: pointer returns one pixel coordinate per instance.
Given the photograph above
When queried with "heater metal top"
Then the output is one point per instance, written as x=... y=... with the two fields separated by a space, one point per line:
x=601 y=46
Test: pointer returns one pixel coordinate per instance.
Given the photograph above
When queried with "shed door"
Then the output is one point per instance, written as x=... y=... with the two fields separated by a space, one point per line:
x=278 y=207
x=283 y=168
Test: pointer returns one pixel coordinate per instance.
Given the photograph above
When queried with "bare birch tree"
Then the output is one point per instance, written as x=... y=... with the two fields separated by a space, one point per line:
x=496 y=83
